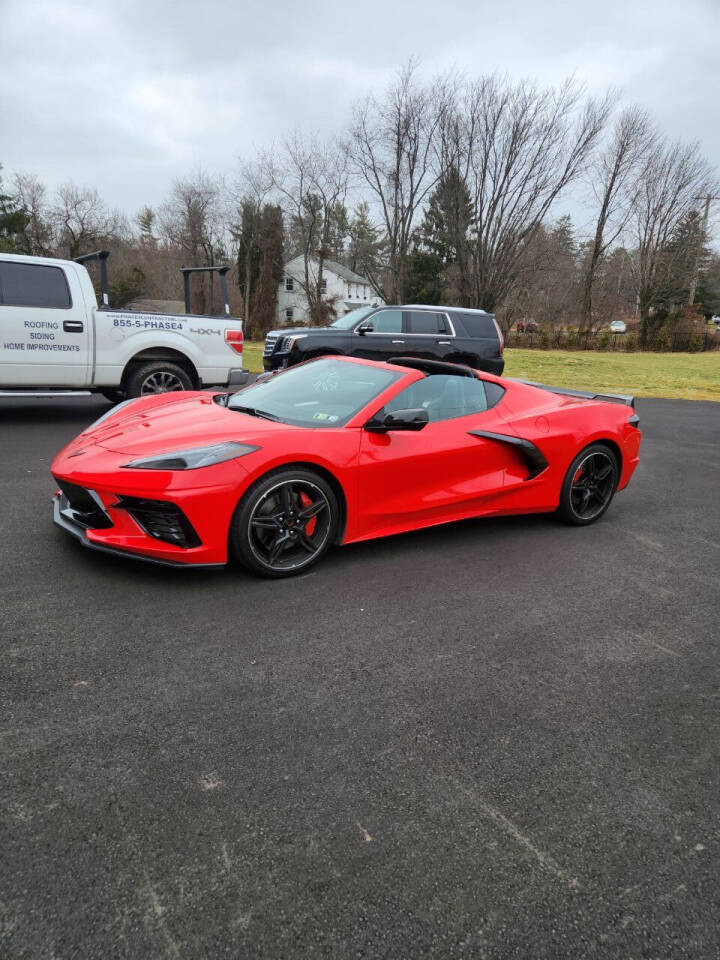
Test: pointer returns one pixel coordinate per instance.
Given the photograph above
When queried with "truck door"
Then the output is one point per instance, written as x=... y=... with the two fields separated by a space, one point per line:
x=44 y=325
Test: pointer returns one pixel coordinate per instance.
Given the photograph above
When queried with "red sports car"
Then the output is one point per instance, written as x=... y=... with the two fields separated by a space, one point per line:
x=337 y=450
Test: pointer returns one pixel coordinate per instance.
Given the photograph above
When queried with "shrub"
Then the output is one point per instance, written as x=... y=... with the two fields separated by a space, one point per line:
x=603 y=340
x=696 y=342
x=544 y=340
x=662 y=340
x=571 y=339
x=631 y=341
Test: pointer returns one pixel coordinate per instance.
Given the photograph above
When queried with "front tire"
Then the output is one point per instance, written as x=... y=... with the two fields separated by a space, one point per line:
x=158 y=376
x=284 y=524
x=589 y=485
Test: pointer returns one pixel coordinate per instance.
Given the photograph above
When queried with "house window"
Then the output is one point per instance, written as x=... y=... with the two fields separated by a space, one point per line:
x=323 y=285
x=289 y=312
x=289 y=283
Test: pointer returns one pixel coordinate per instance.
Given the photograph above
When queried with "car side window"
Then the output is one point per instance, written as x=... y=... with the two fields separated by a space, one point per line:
x=444 y=397
x=386 y=321
x=426 y=321
x=33 y=285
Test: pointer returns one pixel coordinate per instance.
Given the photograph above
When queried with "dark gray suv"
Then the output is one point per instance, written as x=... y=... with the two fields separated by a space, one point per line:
x=452 y=334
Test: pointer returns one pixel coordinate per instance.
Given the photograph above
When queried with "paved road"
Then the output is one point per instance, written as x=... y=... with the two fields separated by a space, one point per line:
x=496 y=739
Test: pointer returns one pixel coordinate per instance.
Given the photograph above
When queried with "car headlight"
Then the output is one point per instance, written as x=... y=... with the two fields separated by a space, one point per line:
x=111 y=413
x=193 y=458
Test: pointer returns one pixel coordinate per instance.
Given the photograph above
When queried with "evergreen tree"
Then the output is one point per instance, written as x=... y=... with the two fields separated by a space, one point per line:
x=145 y=220
x=270 y=271
x=424 y=277
x=365 y=247
x=445 y=233
x=247 y=235
x=686 y=256
x=13 y=220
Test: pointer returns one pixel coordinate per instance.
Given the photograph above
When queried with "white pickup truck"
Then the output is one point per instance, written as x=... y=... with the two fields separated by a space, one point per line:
x=53 y=336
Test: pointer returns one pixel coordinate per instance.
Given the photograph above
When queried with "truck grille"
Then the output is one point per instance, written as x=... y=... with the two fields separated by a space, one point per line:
x=270 y=343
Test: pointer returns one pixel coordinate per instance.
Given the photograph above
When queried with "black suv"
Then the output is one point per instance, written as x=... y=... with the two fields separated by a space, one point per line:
x=452 y=334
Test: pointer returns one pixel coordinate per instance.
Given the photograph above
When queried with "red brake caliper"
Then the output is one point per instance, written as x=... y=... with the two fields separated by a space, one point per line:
x=305 y=501
x=578 y=474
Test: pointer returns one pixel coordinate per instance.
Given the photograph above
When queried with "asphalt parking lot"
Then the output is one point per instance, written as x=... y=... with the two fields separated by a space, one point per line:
x=494 y=739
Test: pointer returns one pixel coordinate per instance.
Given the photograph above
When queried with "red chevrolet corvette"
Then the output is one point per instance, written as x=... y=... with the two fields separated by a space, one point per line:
x=337 y=450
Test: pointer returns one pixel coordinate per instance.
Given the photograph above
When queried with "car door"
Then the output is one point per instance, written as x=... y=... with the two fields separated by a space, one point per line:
x=386 y=339
x=429 y=334
x=442 y=472
x=44 y=335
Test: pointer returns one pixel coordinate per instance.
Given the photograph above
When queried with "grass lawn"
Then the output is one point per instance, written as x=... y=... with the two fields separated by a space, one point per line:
x=678 y=376
x=685 y=376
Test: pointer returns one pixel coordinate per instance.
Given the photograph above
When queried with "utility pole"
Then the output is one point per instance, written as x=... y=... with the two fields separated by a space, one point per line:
x=700 y=243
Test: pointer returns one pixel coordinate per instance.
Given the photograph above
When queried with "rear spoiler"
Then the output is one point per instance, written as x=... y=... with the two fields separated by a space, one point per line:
x=625 y=398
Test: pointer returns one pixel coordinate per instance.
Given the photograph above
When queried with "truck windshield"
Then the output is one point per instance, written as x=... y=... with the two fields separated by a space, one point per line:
x=350 y=319
x=321 y=393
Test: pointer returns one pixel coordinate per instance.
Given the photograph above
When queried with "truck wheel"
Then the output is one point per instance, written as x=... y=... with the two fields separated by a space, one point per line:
x=158 y=376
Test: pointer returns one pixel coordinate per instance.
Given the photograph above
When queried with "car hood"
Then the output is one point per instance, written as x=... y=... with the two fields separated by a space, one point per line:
x=305 y=331
x=168 y=423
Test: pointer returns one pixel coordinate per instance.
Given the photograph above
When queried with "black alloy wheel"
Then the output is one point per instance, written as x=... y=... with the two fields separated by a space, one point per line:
x=284 y=523
x=589 y=485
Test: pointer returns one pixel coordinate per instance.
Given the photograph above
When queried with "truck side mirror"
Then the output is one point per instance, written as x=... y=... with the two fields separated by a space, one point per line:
x=365 y=328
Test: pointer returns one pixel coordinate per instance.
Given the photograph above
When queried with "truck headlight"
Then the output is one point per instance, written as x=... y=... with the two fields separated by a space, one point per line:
x=193 y=458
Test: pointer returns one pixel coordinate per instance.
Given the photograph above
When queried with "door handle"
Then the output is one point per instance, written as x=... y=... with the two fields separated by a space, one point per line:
x=73 y=326
x=398 y=341
x=444 y=343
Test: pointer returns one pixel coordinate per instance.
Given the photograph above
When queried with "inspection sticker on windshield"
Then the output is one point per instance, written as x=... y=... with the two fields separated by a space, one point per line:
x=330 y=417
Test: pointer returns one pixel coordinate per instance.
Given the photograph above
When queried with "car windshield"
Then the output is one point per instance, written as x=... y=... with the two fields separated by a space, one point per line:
x=350 y=319
x=322 y=393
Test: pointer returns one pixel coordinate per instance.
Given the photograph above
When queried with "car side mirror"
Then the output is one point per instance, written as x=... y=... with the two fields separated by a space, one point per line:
x=365 y=328
x=414 y=418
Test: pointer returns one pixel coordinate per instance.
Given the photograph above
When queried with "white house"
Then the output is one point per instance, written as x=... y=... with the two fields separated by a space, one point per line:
x=347 y=289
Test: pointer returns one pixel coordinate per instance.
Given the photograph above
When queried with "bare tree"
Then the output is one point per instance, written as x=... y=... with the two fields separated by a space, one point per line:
x=82 y=221
x=311 y=179
x=616 y=174
x=392 y=146
x=192 y=220
x=518 y=147
x=37 y=237
x=674 y=179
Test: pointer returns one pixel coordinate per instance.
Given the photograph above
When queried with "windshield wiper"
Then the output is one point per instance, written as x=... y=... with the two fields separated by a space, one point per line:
x=257 y=413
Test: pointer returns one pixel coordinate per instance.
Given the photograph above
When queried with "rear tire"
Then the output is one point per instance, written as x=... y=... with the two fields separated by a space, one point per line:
x=157 y=376
x=284 y=524
x=589 y=485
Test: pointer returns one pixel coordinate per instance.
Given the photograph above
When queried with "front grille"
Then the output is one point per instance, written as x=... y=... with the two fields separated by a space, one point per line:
x=270 y=342
x=161 y=520
x=85 y=509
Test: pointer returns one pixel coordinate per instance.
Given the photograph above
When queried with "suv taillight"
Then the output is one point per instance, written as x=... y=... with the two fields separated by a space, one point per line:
x=500 y=336
x=234 y=339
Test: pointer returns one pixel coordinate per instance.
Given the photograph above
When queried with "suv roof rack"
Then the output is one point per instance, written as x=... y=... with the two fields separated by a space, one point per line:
x=429 y=367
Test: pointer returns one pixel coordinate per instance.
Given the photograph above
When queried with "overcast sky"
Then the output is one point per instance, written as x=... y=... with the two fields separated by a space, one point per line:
x=126 y=95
